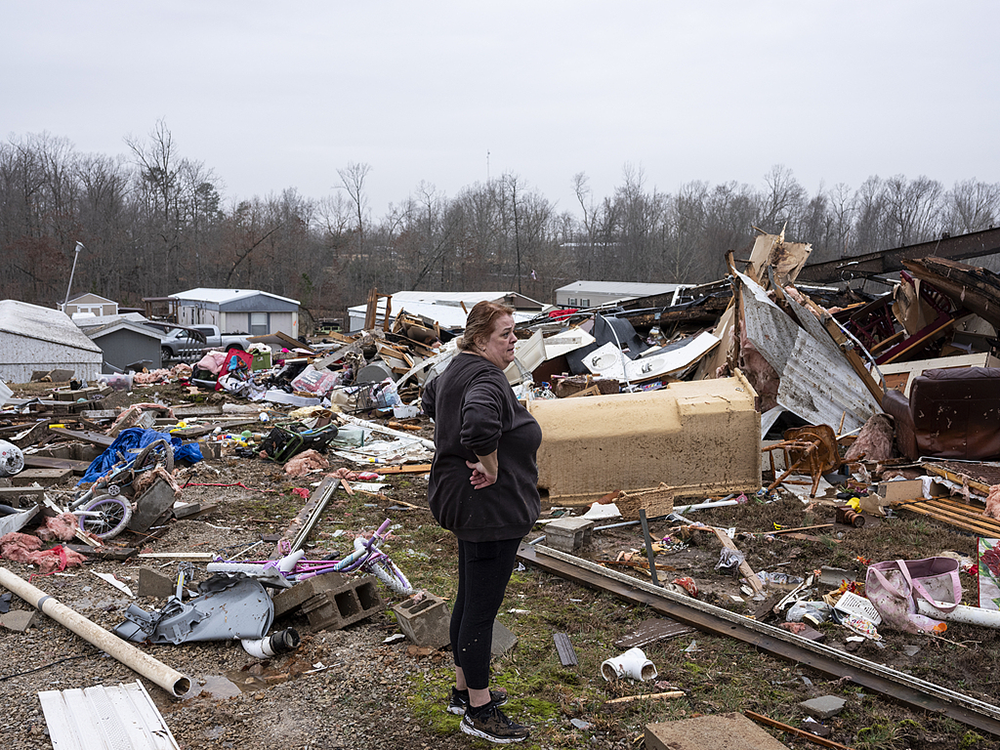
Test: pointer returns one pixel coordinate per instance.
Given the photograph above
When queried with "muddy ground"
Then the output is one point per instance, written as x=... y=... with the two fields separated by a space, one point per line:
x=352 y=689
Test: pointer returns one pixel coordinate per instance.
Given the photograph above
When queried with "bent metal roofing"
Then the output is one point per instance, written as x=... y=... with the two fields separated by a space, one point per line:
x=44 y=324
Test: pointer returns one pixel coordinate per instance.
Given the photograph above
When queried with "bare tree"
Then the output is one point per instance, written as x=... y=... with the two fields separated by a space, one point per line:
x=352 y=179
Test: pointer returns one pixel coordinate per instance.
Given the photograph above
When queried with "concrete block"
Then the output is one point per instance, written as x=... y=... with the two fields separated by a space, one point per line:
x=425 y=621
x=699 y=437
x=334 y=610
x=150 y=505
x=292 y=598
x=569 y=534
x=503 y=640
x=823 y=707
x=155 y=585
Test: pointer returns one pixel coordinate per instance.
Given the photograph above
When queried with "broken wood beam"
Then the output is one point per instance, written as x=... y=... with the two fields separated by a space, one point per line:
x=745 y=568
x=648 y=697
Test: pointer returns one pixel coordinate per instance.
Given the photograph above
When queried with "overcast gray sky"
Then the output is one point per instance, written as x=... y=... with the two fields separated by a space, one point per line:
x=278 y=95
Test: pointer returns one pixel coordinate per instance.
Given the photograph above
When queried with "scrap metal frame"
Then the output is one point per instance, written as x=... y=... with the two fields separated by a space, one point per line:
x=905 y=688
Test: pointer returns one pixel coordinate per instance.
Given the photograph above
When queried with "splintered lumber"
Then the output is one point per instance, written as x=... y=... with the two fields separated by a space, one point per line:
x=952 y=476
x=961 y=515
x=745 y=568
x=648 y=697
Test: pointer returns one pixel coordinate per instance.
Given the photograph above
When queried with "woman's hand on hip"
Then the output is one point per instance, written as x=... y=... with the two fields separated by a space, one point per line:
x=481 y=477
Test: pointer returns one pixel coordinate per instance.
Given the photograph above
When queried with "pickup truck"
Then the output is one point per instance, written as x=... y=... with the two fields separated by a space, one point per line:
x=188 y=343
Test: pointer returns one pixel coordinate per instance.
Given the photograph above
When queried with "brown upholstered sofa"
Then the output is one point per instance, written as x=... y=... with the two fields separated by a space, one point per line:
x=953 y=413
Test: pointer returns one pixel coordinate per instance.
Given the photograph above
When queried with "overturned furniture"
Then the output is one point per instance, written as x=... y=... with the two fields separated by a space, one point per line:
x=950 y=414
x=700 y=438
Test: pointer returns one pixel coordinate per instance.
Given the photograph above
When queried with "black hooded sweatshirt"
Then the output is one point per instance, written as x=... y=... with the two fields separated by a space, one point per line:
x=475 y=413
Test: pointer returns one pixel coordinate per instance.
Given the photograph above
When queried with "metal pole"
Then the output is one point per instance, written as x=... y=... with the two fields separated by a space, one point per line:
x=76 y=254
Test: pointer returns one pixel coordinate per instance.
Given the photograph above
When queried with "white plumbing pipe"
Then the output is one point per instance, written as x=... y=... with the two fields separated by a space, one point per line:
x=169 y=679
x=989 y=618
x=281 y=642
x=288 y=562
x=633 y=664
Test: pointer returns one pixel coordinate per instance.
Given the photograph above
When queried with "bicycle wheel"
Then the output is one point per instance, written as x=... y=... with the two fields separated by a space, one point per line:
x=388 y=573
x=151 y=455
x=106 y=516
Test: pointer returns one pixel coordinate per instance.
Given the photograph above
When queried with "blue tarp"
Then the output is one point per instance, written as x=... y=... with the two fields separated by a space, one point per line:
x=133 y=440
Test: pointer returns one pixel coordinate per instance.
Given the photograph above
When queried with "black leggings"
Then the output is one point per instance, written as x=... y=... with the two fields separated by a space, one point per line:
x=484 y=568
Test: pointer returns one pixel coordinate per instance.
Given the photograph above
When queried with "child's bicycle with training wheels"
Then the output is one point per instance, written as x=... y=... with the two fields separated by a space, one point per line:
x=286 y=571
x=106 y=508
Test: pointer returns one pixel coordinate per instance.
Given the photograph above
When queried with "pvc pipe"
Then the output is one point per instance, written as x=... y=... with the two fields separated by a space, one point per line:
x=633 y=664
x=282 y=642
x=167 y=678
x=989 y=618
x=288 y=562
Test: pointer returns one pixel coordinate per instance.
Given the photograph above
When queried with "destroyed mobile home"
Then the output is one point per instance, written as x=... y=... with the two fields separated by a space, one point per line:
x=695 y=447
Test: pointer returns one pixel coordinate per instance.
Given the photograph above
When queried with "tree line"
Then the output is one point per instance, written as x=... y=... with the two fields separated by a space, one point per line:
x=154 y=222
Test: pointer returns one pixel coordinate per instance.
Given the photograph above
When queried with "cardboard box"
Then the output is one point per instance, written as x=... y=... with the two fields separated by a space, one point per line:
x=901 y=489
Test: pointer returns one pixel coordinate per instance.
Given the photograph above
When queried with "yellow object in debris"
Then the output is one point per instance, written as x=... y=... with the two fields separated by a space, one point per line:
x=854 y=504
x=778 y=526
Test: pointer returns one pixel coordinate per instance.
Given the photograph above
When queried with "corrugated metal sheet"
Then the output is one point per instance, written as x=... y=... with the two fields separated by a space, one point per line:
x=105 y=718
x=817 y=382
x=822 y=388
x=767 y=325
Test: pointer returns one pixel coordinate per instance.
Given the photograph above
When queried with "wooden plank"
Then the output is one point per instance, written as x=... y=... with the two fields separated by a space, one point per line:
x=36 y=434
x=899 y=685
x=980 y=487
x=567 y=655
x=47 y=462
x=960 y=515
x=44 y=477
x=405 y=469
x=87 y=436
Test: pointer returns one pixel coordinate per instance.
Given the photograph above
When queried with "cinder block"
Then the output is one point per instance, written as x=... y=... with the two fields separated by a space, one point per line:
x=569 y=534
x=155 y=585
x=297 y=595
x=424 y=621
x=334 y=610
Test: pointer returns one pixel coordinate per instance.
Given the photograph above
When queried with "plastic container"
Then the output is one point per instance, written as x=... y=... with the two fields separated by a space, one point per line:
x=117 y=382
x=349 y=435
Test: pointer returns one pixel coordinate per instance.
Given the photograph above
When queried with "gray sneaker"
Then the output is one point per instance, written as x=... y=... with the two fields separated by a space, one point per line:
x=492 y=724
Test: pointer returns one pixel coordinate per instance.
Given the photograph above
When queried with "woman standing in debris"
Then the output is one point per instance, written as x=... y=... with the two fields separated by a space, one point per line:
x=483 y=488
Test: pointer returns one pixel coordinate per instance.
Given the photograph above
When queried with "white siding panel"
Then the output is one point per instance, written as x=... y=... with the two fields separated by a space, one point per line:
x=22 y=355
x=105 y=718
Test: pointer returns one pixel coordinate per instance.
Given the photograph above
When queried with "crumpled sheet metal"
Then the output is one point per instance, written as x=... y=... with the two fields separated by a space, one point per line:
x=229 y=608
